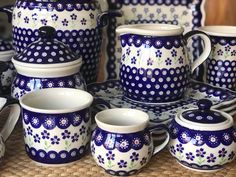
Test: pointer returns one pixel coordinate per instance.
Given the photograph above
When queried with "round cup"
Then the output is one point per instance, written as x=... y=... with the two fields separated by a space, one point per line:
x=56 y=124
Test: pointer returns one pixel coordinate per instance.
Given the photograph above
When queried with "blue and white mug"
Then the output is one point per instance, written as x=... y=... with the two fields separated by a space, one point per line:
x=121 y=143
x=221 y=64
x=56 y=125
x=154 y=63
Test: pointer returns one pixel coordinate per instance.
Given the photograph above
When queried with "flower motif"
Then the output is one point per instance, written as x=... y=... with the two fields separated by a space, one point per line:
x=73 y=17
x=75 y=137
x=65 y=22
x=149 y=62
x=26 y=19
x=91 y=15
x=134 y=157
x=227 y=48
x=124 y=144
x=133 y=60
x=26 y=117
x=61 y=84
x=181 y=60
x=44 y=21
x=211 y=158
x=45 y=134
x=179 y=148
x=34 y=16
x=100 y=159
x=110 y=155
x=50 y=84
x=231 y=155
x=222 y=152
x=158 y=53
x=36 y=138
x=172 y=10
x=172 y=150
x=151 y=15
x=174 y=53
x=82 y=130
x=233 y=53
x=200 y=152
x=220 y=52
x=213 y=139
x=83 y=21
x=168 y=61
x=55 y=140
x=143 y=161
x=185 y=13
x=190 y=156
x=158 y=10
x=49 y=122
x=226 y=137
x=54 y=17
x=136 y=142
x=64 y=121
x=99 y=138
x=19 y=14
x=93 y=148
x=70 y=83
x=122 y=164
x=65 y=134
x=35 y=121
x=128 y=51
x=76 y=119
x=164 y=16
x=29 y=131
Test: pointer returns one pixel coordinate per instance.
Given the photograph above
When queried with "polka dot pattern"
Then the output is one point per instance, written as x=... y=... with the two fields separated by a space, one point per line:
x=5 y=46
x=157 y=85
x=221 y=73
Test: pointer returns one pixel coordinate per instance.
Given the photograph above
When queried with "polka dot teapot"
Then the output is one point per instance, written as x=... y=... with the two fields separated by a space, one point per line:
x=203 y=139
x=46 y=63
x=77 y=22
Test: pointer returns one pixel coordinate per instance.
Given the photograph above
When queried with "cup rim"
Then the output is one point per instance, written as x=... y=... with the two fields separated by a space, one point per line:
x=151 y=29
x=50 y=91
x=219 y=30
x=137 y=126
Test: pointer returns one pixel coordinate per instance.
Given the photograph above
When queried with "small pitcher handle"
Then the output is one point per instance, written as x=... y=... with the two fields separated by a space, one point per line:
x=12 y=119
x=164 y=144
x=207 y=47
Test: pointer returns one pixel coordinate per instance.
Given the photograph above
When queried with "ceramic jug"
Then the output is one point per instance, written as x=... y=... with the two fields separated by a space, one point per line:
x=77 y=23
x=154 y=64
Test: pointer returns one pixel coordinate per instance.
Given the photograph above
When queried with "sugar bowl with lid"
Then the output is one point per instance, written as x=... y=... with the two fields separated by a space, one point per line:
x=203 y=139
x=46 y=63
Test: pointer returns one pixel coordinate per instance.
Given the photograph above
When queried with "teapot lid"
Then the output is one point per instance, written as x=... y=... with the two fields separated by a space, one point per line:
x=5 y=46
x=205 y=118
x=46 y=50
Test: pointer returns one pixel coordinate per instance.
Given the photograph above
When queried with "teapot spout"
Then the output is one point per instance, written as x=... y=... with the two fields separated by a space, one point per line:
x=8 y=10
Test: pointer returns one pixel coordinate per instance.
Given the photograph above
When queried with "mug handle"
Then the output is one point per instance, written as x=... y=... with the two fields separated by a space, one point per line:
x=164 y=144
x=8 y=10
x=12 y=119
x=207 y=47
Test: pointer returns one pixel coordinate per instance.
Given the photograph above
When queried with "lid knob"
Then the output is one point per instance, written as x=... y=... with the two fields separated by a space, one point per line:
x=46 y=32
x=204 y=104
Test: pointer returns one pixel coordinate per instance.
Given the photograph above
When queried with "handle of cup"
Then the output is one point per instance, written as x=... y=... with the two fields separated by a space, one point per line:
x=8 y=10
x=207 y=47
x=164 y=144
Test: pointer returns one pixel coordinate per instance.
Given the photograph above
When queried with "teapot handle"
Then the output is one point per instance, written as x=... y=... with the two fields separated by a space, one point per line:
x=8 y=10
x=12 y=119
x=207 y=47
x=164 y=144
x=103 y=18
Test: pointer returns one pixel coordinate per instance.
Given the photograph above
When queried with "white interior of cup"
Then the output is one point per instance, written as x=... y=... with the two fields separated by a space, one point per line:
x=122 y=120
x=56 y=100
x=223 y=31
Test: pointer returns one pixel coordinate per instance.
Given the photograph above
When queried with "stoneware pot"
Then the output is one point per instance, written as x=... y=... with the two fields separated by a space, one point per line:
x=6 y=67
x=122 y=144
x=7 y=105
x=56 y=124
x=77 y=22
x=221 y=64
x=154 y=63
x=46 y=63
x=203 y=139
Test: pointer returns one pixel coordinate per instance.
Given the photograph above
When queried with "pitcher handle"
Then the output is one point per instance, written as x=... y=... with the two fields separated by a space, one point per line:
x=207 y=47
x=12 y=119
x=164 y=144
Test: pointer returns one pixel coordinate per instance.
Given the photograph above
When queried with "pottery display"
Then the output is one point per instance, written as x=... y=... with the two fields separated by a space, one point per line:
x=77 y=24
x=122 y=144
x=110 y=95
x=203 y=139
x=56 y=124
x=46 y=63
x=154 y=65
x=6 y=67
x=187 y=13
x=221 y=64
x=7 y=105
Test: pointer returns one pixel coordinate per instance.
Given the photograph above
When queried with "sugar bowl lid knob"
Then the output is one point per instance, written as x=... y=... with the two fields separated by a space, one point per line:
x=46 y=32
x=204 y=104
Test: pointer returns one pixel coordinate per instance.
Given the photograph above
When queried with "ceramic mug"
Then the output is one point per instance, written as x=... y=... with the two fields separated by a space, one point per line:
x=56 y=124
x=221 y=64
x=122 y=144
x=154 y=64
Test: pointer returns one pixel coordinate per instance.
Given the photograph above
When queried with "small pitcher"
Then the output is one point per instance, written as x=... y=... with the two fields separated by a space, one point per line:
x=154 y=65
